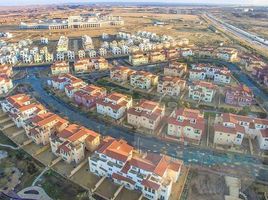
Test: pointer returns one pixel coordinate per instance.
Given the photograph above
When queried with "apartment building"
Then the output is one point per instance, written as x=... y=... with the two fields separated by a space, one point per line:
x=41 y=127
x=114 y=105
x=186 y=124
x=143 y=80
x=248 y=126
x=62 y=45
x=14 y=102
x=171 y=53
x=88 y=95
x=171 y=86
x=83 y=66
x=147 y=114
x=73 y=86
x=239 y=96
x=59 y=82
x=121 y=74
x=139 y=59
x=60 y=67
x=72 y=142
x=175 y=68
x=151 y=174
x=202 y=91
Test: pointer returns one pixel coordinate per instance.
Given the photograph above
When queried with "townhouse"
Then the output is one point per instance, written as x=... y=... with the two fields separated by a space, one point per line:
x=202 y=91
x=186 y=124
x=121 y=74
x=88 y=95
x=60 y=68
x=41 y=127
x=72 y=142
x=147 y=114
x=175 y=68
x=74 y=85
x=171 y=86
x=83 y=66
x=241 y=126
x=143 y=80
x=139 y=59
x=114 y=105
x=171 y=53
x=151 y=174
x=14 y=101
x=59 y=82
x=239 y=96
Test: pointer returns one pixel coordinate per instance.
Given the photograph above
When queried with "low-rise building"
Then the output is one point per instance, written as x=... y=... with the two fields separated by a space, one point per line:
x=239 y=96
x=202 y=91
x=88 y=95
x=60 y=68
x=151 y=174
x=15 y=101
x=6 y=84
x=175 y=69
x=139 y=59
x=100 y=63
x=121 y=74
x=147 y=114
x=244 y=126
x=171 y=86
x=227 y=54
x=157 y=56
x=83 y=66
x=171 y=53
x=71 y=142
x=42 y=126
x=186 y=124
x=143 y=80
x=114 y=105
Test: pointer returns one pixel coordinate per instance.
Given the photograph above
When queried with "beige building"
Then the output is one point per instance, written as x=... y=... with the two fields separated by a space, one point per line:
x=121 y=74
x=175 y=69
x=70 y=143
x=186 y=124
x=171 y=86
x=83 y=66
x=139 y=59
x=60 y=68
x=146 y=114
x=157 y=56
x=143 y=80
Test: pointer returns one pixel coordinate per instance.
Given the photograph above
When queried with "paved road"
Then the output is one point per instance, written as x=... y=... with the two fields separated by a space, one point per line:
x=190 y=154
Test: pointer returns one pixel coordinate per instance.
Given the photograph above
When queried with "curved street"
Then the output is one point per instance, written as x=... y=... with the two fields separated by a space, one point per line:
x=192 y=155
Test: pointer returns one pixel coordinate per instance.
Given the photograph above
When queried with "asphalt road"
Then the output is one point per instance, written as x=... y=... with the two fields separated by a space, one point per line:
x=192 y=155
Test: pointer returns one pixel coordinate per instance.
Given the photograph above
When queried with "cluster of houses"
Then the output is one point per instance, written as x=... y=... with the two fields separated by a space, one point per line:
x=24 y=52
x=68 y=141
x=152 y=174
x=6 y=83
x=85 y=65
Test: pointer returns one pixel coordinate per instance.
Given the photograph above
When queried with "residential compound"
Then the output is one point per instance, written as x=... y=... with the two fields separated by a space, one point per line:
x=205 y=71
x=186 y=124
x=152 y=174
x=239 y=96
x=143 y=80
x=71 y=142
x=6 y=83
x=227 y=54
x=76 y=22
x=121 y=74
x=114 y=105
x=146 y=114
x=175 y=68
x=202 y=91
x=171 y=86
x=60 y=67
x=230 y=129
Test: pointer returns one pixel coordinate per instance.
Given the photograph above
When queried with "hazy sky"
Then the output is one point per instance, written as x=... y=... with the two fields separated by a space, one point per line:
x=27 y=2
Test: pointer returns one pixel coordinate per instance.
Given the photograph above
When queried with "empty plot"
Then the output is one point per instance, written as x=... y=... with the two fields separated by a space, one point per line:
x=46 y=157
x=107 y=189
x=128 y=194
x=63 y=168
